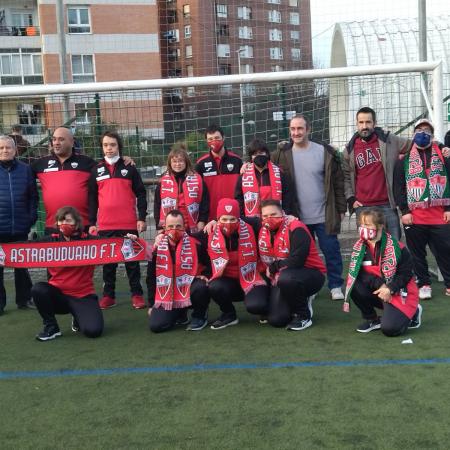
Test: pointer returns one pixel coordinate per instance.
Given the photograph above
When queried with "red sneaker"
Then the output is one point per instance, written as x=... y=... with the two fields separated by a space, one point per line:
x=138 y=301
x=107 y=302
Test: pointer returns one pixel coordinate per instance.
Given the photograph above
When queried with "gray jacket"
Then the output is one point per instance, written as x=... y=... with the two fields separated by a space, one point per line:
x=391 y=146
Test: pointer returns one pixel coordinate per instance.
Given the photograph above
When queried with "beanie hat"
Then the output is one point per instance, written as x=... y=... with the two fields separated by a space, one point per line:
x=228 y=207
x=424 y=122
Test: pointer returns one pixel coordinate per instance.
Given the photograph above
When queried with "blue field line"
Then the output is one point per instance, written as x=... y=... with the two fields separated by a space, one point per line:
x=218 y=367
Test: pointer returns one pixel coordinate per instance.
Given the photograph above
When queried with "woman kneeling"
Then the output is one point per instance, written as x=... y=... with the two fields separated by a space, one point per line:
x=380 y=276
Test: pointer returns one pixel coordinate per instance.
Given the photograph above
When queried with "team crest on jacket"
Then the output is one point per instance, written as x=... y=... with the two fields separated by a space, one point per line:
x=2 y=256
x=74 y=165
x=124 y=172
x=250 y=200
x=417 y=187
x=219 y=263
x=230 y=167
x=193 y=210
x=168 y=204
x=184 y=283
x=131 y=249
x=51 y=162
x=101 y=169
x=163 y=284
x=438 y=182
x=248 y=272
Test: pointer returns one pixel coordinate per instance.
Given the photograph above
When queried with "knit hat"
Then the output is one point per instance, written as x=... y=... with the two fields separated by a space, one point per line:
x=228 y=207
x=424 y=122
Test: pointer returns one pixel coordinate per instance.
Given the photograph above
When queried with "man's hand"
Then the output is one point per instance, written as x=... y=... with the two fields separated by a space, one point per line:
x=209 y=227
x=158 y=239
x=128 y=161
x=384 y=293
x=357 y=204
x=445 y=152
x=202 y=277
x=244 y=167
x=133 y=237
x=407 y=219
x=93 y=230
x=200 y=226
x=141 y=226
x=447 y=216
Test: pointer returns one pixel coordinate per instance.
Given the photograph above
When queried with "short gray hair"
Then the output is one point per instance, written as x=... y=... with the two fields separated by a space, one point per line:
x=10 y=140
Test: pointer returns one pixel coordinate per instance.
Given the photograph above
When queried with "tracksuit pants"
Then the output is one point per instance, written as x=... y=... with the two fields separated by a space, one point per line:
x=163 y=320
x=133 y=269
x=50 y=301
x=437 y=237
x=393 y=321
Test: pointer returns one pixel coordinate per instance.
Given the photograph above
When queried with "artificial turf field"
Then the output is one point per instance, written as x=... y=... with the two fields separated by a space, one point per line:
x=222 y=389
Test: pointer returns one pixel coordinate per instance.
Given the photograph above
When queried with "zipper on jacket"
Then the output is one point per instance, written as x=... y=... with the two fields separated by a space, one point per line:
x=12 y=202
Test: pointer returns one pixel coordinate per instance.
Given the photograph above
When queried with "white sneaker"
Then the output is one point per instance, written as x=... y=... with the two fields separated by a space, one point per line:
x=425 y=292
x=337 y=294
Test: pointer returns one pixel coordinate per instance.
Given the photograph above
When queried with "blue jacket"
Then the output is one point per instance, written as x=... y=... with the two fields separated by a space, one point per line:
x=18 y=199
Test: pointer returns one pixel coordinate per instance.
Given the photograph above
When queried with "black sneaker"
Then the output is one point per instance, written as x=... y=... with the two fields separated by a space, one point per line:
x=27 y=305
x=369 y=325
x=225 y=320
x=416 y=321
x=48 y=333
x=298 y=324
x=197 y=324
x=75 y=326
x=263 y=320
x=183 y=318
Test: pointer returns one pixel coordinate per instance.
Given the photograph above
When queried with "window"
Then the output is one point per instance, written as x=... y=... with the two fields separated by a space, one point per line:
x=173 y=35
x=21 y=19
x=276 y=68
x=295 y=35
x=275 y=35
x=78 y=20
x=225 y=69
x=20 y=68
x=223 y=30
x=276 y=53
x=294 y=18
x=226 y=89
x=274 y=16
x=190 y=71
x=188 y=51
x=244 y=12
x=82 y=68
x=223 y=50
x=245 y=32
x=187 y=31
x=247 y=68
x=295 y=54
x=293 y=3
x=186 y=11
x=246 y=51
x=31 y=118
x=190 y=91
x=222 y=11
x=248 y=90
x=275 y=2
x=84 y=113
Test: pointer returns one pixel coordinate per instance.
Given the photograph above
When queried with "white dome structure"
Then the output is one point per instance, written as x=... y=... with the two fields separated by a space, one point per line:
x=396 y=98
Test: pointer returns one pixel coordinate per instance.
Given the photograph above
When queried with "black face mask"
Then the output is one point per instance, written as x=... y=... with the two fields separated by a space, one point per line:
x=261 y=160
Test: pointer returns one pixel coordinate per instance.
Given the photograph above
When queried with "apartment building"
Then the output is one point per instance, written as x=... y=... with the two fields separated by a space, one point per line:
x=105 y=40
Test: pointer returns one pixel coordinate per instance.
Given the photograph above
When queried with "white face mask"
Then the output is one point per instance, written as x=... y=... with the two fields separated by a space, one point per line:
x=112 y=160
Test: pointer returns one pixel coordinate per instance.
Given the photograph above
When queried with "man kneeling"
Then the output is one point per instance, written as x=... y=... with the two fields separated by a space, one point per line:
x=177 y=278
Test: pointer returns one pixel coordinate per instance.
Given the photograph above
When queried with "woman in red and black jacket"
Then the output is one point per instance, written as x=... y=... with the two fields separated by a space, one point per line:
x=182 y=189
x=70 y=290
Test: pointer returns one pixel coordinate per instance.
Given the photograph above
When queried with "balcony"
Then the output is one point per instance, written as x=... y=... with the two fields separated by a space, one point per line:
x=13 y=30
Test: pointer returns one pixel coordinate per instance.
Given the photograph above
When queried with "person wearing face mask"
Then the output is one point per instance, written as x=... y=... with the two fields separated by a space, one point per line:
x=381 y=277
x=183 y=189
x=219 y=168
x=116 y=192
x=70 y=290
x=368 y=164
x=422 y=192
x=293 y=265
x=261 y=180
x=18 y=212
x=235 y=266
x=177 y=278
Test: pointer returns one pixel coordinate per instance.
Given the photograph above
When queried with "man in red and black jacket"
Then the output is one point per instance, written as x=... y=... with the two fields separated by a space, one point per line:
x=115 y=190
x=64 y=178
x=219 y=168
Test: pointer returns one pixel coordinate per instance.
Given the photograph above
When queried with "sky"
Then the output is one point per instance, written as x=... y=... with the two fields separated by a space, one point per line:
x=325 y=13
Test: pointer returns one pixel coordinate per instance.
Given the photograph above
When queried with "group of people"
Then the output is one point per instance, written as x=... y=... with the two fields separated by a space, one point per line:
x=229 y=230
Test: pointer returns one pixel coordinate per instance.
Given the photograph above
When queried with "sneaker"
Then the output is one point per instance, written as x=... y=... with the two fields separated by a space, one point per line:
x=225 y=320
x=75 y=327
x=369 y=325
x=298 y=324
x=337 y=294
x=27 y=305
x=447 y=292
x=263 y=320
x=183 y=318
x=107 y=302
x=416 y=321
x=310 y=300
x=197 y=324
x=138 y=301
x=48 y=333
x=425 y=292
